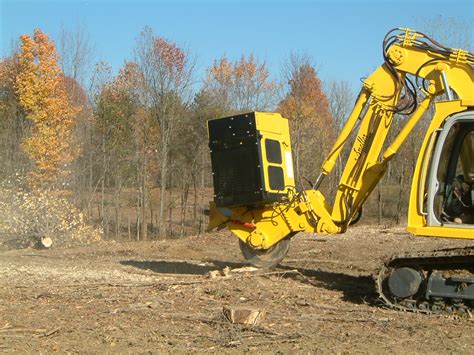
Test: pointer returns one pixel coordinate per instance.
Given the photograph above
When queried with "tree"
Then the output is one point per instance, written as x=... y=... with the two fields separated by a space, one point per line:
x=191 y=156
x=42 y=94
x=307 y=107
x=119 y=133
x=341 y=101
x=166 y=75
x=13 y=125
x=243 y=85
x=76 y=51
x=449 y=31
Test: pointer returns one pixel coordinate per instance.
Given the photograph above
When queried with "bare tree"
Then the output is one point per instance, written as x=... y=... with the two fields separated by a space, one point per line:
x=449 y=31
x=341 y=100
x=76 y=52
x=167 y=77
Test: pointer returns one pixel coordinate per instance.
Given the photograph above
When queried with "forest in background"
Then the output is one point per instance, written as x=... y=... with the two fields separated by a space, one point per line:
x=88 y=153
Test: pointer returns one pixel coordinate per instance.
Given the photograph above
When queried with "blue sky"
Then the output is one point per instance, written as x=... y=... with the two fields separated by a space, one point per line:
x=343 y=37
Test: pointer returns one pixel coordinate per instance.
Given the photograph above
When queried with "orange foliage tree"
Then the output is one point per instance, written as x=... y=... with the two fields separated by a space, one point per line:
x=311 y=122
x=242 y=85
x=42 y=95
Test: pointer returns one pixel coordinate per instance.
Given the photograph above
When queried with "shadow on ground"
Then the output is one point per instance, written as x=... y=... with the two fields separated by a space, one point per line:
x=171 y=267
x=359 y=289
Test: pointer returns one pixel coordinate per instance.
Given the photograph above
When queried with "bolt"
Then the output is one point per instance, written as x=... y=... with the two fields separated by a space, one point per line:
x=396 y=55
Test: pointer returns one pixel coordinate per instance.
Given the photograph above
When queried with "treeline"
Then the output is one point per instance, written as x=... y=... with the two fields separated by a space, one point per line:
x=130 y=150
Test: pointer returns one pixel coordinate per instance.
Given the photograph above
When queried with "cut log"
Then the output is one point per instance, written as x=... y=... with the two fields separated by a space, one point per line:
x=245 y=269
x=46 y=242
x=240 y=315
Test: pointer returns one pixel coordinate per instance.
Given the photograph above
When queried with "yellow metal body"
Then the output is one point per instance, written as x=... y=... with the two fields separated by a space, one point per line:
x=416 y=218
x=251 y=159
x=273 y=126
x=264 y=226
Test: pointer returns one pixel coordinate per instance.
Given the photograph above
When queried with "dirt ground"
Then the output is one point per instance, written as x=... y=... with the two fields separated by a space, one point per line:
x=158 y=297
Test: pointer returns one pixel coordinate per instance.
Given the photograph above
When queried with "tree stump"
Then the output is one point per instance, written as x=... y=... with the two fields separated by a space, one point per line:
x=242 y=315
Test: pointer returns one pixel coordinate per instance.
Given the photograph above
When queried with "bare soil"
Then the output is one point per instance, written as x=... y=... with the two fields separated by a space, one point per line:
x=158 y=297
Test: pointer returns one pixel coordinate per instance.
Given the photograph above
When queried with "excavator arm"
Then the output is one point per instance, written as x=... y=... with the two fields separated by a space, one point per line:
x=416 y=71
x=382 y=95
x=256 y=198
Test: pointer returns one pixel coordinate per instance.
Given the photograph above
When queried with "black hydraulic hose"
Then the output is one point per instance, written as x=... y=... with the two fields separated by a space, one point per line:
x=411 y=106
x=417 y=74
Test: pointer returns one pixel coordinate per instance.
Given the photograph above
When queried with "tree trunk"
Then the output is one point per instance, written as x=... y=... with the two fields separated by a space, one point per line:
x=144 y=197
x=184 y=202
x=163 y=176
x=380 y=203
x=102 y=197
x=170 y=208
x=118 y=188
x=137 y=211
x=129 y=227
x=201 y=200
x=107 y=212
x=401 y=191
x=195 y=193
x=152 y=214
x=91 y=183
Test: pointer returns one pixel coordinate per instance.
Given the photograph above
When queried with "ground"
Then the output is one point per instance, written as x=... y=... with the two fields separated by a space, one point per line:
x=158 y=297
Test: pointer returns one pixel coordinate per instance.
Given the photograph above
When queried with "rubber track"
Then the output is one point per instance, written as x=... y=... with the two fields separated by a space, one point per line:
x=448 y=259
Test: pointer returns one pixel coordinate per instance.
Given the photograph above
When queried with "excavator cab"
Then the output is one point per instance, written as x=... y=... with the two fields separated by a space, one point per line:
x=446 y=202
x=450 y=190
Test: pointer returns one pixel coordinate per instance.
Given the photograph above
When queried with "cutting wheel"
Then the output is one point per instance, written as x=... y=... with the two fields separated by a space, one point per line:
x=265 y=258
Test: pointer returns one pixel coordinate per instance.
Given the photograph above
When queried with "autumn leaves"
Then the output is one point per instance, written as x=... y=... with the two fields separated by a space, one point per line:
x=124 y=145
x=42 y=95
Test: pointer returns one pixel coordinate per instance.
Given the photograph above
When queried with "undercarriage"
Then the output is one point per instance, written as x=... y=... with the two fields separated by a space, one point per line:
x=429 y=282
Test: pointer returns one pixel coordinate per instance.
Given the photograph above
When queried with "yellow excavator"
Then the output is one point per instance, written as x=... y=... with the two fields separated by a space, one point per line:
x=254 y=184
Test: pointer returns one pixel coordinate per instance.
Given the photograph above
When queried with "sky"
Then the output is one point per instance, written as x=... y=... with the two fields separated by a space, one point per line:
x=344 y=38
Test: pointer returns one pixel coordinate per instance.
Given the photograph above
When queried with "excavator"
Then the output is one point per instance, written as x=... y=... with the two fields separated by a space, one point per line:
x=256 y=198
